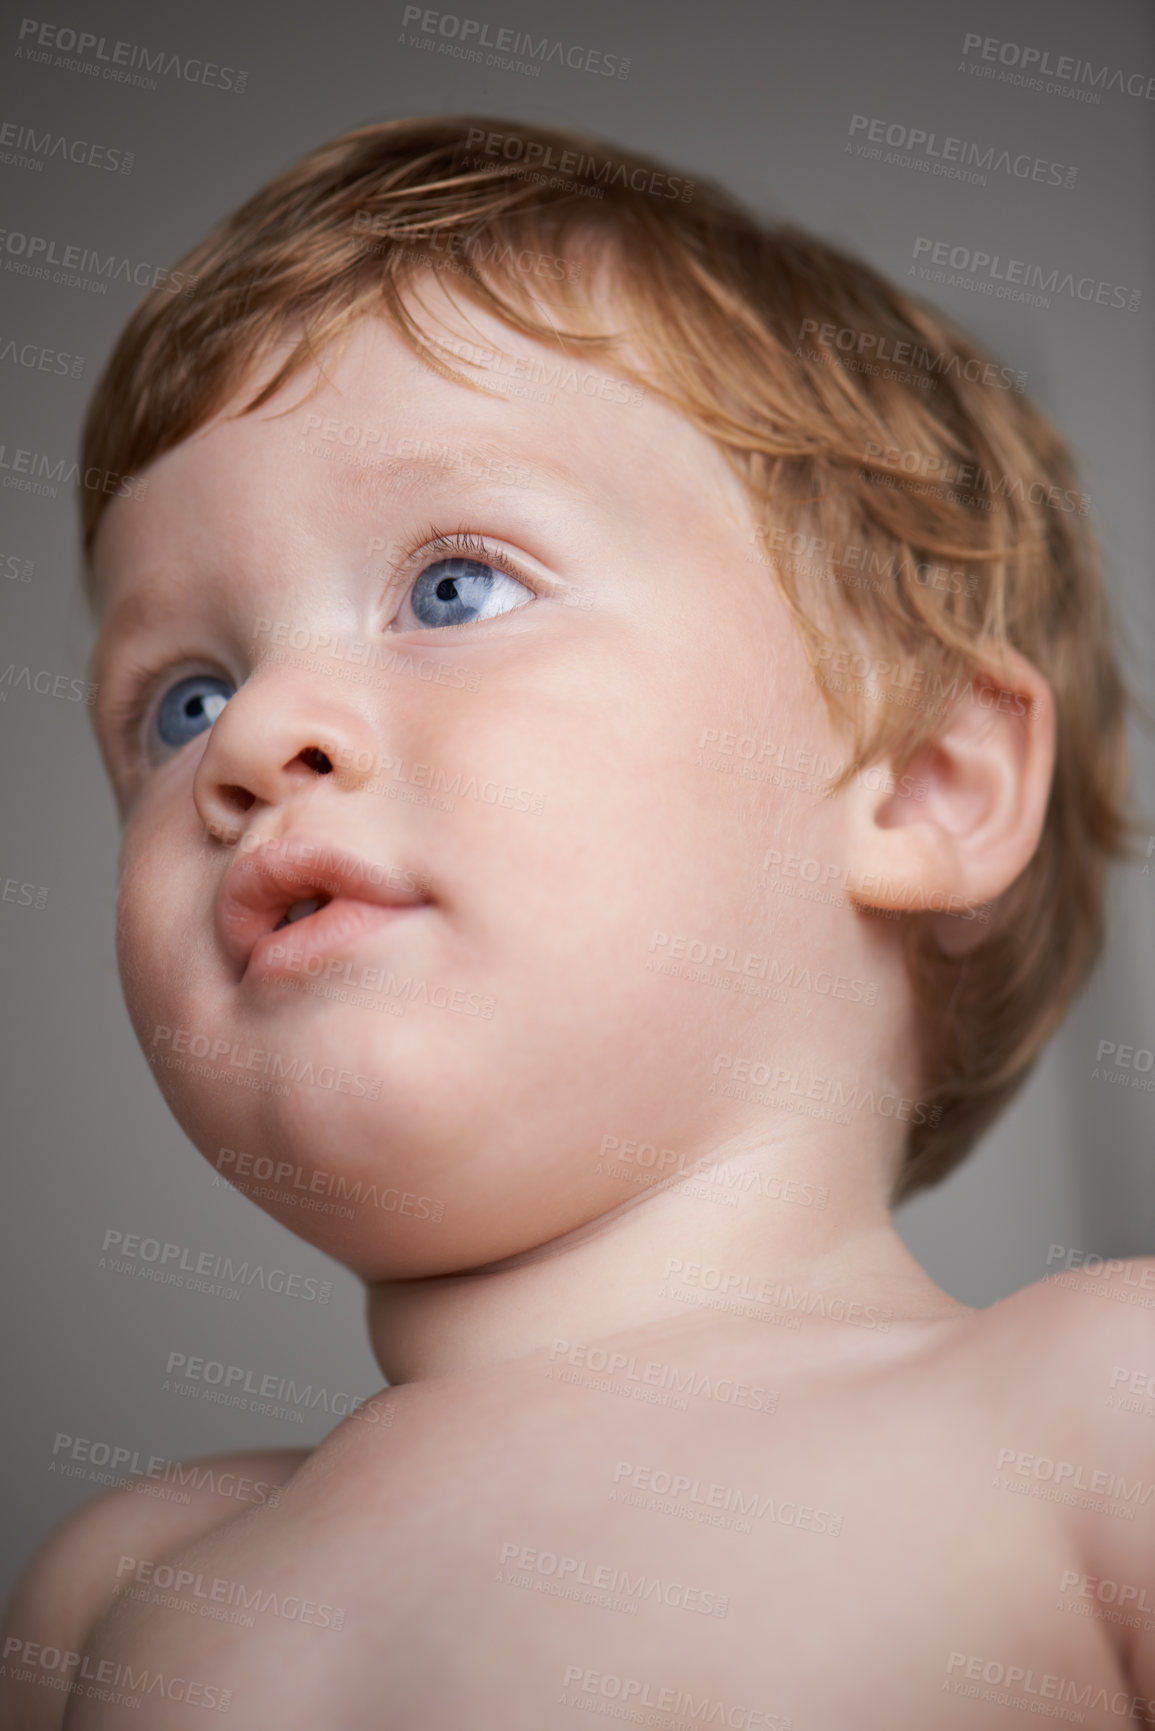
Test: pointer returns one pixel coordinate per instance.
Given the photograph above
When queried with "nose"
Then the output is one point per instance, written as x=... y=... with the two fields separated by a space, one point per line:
x=273 y=741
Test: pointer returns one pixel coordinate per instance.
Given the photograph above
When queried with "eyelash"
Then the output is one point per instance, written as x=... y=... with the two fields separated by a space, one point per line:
x=438 y=543
x=127 y=714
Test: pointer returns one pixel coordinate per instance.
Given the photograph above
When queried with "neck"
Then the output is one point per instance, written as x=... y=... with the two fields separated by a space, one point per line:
x=751 y=1219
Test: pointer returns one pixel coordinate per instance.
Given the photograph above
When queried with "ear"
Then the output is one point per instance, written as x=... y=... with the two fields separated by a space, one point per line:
x=953 y=827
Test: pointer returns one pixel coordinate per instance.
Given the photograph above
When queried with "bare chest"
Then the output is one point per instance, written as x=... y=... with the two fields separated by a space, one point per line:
x=827 y=1556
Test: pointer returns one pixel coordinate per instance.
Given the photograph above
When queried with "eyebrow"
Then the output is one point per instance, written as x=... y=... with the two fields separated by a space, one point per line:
x=372 y=483
x=138 y=609
x=367 y=484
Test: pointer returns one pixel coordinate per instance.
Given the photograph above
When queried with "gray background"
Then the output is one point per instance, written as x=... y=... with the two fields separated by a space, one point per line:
x=759 y=96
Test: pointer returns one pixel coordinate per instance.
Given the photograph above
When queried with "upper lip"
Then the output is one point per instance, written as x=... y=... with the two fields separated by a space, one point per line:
x=262 y=884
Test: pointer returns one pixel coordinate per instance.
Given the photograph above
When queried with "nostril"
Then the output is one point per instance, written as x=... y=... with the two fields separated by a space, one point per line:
x=316 y=759
x=238 y=797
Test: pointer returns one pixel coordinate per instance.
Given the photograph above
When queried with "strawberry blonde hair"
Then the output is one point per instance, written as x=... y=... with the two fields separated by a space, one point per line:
x=938 y=510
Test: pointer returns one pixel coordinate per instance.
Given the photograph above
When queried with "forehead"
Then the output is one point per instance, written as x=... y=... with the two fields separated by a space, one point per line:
x=372 y=425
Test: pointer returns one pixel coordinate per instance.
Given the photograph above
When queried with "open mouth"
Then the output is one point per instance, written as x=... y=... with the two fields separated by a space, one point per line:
x=325 y=928
x=336 y=898
x=301 y=911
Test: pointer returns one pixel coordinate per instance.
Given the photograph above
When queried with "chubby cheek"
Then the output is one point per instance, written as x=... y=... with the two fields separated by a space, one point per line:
x=155 y=924
x=469 y=1138
x=163 y=947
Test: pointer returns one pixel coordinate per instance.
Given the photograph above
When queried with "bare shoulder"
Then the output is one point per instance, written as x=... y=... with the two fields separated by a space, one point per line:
x=71 y=1582
x=1081 y=1344
x=1088 y=1305
x=1082 y=1340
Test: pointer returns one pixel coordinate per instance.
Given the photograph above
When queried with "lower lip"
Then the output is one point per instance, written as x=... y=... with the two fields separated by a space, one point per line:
x=293 y=951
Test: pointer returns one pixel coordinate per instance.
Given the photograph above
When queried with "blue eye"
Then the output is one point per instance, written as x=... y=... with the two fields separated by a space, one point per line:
x=459 y=591
x=190 y=707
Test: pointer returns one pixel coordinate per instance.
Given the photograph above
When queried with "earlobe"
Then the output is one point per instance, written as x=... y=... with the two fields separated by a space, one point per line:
x=956 y=824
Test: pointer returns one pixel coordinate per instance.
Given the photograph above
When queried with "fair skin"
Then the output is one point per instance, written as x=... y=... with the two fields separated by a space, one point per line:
x=626 y=624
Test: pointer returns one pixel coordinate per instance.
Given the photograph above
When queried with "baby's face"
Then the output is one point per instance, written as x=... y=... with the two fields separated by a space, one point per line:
x=491 y=755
